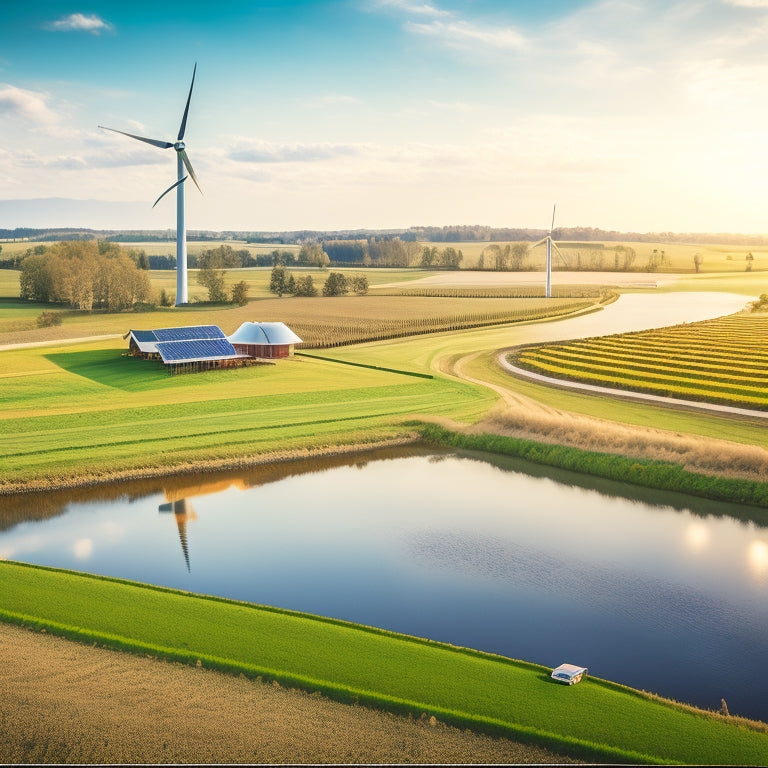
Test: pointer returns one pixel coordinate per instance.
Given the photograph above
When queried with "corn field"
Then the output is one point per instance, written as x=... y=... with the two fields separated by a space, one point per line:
x=323 y=334
x=723 y=361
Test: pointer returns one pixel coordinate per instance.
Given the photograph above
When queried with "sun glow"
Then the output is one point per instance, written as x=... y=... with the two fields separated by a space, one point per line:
x=757 y=557
x=697 y=537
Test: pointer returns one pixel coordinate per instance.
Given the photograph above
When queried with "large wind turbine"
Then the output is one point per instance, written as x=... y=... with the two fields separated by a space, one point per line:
x=550 y=244
x=182 y=162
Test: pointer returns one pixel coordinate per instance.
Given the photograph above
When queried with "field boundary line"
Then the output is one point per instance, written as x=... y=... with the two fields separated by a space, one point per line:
x=365 y=365
x=625 y=393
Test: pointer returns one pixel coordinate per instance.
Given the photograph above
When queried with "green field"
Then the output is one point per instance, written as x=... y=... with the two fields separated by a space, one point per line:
x=596 y=720
x=719 y=361
x=86 y=410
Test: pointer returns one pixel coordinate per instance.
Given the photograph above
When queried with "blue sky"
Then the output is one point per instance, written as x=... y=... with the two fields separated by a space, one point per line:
x=331 y=114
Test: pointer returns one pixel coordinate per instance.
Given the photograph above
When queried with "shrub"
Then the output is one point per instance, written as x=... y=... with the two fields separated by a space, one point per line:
x=47 y=319
x=335 y=285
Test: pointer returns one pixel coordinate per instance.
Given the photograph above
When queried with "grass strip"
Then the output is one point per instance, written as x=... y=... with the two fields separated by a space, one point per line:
x=648 y=473
x=596 y=720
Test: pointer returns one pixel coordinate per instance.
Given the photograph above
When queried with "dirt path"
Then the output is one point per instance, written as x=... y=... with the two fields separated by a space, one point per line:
x=63 y=702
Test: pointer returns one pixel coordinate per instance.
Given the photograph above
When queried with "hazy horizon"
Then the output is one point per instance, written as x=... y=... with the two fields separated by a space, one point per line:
x=382 y=114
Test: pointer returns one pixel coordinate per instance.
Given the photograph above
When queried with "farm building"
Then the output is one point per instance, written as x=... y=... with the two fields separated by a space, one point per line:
x=202 y=347
x=264 y=340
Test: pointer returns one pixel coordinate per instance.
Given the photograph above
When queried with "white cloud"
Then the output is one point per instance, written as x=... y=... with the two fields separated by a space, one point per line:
x=258 y=151
x=748 y=3
x=78 y=22
x=29 y=105
x=463 y=33
x=417 y=9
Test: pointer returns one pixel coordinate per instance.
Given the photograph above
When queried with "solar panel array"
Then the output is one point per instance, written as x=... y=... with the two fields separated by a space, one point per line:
x=187 y=351
x=190 y=333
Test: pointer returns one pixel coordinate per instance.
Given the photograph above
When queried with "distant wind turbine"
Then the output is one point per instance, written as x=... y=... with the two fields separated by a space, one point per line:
x=182 y=162
x=550 y=244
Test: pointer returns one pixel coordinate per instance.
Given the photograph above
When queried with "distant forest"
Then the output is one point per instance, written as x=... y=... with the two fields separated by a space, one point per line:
x=445 y=234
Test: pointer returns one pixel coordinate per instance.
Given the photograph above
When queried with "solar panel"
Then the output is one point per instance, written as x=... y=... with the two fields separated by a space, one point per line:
x=144 y=336
x=198 y=349
x=190 y=333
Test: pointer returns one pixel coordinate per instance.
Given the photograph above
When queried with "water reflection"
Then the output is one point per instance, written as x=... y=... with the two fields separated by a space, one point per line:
x=500 y=555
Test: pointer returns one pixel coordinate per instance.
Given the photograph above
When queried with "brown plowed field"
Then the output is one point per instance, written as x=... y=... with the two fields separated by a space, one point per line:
x=63 y=702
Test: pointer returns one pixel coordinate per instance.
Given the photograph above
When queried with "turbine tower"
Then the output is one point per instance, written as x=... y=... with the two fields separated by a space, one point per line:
x=182 y=162
x=550 y=244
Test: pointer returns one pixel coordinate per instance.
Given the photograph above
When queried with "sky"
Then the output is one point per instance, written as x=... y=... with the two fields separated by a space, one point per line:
x=645 y=116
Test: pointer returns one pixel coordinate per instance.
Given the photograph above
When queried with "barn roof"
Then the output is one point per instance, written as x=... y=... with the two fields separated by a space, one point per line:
x=186 y=344
x=194 y=350
x=264 y=333
x=189 y=333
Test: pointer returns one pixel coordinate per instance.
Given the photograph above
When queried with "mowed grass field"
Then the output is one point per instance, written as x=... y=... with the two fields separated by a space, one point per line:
x=596 y=720
x=87 y=410
x=724 y=361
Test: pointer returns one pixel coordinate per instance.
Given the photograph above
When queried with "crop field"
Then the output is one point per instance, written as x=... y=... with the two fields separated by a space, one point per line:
x=721 y=361
x=354 y=663
x=396 y=318
x=320 y=320
x=678 y=257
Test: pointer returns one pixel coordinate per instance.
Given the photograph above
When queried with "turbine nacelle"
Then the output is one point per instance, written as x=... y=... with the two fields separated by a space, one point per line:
x=179 y=146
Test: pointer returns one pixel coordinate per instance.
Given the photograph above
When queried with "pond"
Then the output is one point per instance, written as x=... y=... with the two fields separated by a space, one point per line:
x=657 y=591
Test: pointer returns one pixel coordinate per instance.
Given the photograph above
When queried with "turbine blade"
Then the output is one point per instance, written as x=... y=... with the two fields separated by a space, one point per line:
x=153 y=142
x=536 y=245
x=553 y=218
x=186 y=109
x=560 y=254
x=188 y=165
x=173 y=186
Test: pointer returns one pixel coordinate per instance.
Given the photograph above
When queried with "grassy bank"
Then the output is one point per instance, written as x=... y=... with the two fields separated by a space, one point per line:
x=596 y=720
x=660 y=475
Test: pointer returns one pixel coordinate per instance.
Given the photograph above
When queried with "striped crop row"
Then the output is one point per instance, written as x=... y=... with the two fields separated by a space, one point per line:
x=721 y=361
x=508 y=292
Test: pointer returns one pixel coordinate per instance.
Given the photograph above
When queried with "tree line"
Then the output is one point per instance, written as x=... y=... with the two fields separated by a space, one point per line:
x=336 y=284
x=85 y=275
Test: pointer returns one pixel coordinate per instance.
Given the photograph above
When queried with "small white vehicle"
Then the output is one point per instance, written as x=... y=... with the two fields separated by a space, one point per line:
x=569 y=674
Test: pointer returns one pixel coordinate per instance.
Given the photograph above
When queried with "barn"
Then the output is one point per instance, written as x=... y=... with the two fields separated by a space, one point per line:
x=203 y=347
x=265 y=340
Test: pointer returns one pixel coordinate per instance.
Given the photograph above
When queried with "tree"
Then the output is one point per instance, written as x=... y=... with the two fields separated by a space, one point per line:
x=429 y=256
x=305 y=286
x=314 y=255
x=335 y=285
x=750 y=258
x=277 y=281
x=359 y=284
x=211 y=266
x=520 y=252
x=450 y=258
x=697 y=261
x=240 y=293
x=213 y=281
x=35 y=281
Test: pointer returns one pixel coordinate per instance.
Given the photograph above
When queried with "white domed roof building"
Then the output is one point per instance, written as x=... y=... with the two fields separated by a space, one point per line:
x=266 y=340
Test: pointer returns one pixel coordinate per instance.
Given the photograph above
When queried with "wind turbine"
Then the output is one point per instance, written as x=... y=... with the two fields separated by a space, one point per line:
x=550 y=244
x=182 y=162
